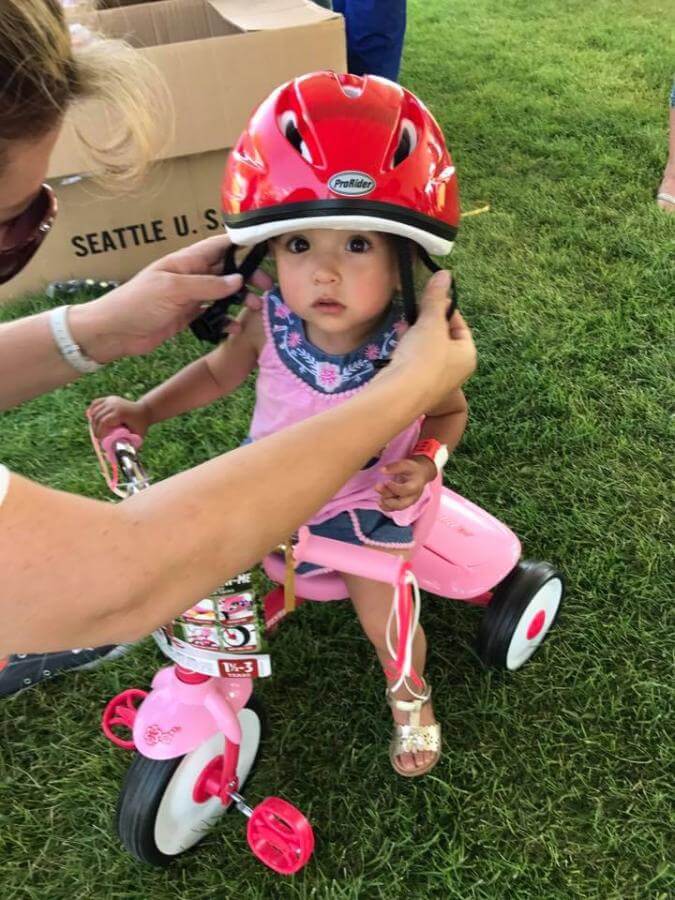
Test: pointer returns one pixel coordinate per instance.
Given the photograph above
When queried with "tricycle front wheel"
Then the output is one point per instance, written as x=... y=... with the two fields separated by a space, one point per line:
x=157 y=814
x=521 y=613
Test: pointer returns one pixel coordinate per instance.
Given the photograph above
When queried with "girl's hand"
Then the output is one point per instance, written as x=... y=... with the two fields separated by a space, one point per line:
x=409 y=476
x=107 y=413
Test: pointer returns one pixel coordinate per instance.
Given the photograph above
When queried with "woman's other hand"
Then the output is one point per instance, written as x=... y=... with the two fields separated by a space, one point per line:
x=441 y=355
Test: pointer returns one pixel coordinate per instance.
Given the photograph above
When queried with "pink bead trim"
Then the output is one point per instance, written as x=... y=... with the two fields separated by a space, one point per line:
x=371 y=543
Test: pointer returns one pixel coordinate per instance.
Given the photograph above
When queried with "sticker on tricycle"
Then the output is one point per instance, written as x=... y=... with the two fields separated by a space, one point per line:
x=238 y=668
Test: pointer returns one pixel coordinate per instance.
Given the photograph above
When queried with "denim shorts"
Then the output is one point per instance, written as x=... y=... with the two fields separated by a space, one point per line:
x=361 y=527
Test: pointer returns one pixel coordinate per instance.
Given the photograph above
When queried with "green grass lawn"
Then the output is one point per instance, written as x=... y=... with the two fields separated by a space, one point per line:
x=554 y=781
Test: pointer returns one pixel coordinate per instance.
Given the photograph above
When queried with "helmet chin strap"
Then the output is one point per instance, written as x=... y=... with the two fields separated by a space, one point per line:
x=405 y=271
x=248 y=264
x=404 y=251
x=210 y=325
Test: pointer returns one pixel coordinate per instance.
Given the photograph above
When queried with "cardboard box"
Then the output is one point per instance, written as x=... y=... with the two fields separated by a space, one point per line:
x=220 y=58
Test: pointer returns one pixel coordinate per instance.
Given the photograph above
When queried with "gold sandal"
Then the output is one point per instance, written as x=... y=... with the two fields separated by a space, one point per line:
x=413 y=737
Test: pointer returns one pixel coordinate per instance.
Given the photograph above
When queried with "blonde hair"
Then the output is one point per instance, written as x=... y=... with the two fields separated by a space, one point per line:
x=44 y=69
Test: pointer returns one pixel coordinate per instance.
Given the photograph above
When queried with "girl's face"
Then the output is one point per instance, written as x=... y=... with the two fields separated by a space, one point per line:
x=339 y=282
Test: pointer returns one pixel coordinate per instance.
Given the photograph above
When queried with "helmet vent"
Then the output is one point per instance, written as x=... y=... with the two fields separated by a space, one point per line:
x=352 y=85
x=406 y=143
x=290 y=131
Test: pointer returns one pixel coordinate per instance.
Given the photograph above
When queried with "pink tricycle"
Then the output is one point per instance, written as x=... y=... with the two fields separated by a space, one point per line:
x=460 y=552
x=198 y=731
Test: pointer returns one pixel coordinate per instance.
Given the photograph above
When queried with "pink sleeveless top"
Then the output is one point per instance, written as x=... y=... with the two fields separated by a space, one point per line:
x=297 y=380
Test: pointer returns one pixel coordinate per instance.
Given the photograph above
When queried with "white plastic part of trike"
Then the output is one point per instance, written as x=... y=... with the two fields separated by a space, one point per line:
x=181 y=822
x=534 y=624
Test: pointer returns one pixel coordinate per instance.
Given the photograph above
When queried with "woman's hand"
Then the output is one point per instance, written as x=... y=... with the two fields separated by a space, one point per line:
x=438 y=354
x=158 y=302
x=107 y=413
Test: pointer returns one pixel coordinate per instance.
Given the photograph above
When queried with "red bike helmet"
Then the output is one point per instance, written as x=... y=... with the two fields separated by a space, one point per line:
x=339 y=151
x=345 y=152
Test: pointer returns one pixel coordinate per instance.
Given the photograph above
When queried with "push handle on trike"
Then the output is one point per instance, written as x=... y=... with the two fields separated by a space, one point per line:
x=341 y=557
x=119 y=448
x=378 y=566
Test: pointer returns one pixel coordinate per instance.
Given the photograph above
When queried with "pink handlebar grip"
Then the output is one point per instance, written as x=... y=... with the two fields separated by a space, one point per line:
x=349 y=558
x=119 y=434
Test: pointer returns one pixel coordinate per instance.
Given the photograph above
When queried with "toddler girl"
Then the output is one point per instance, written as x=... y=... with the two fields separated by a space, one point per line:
x=348 y=181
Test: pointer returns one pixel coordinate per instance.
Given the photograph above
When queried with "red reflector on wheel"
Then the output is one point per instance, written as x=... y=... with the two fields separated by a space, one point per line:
x=536 y=625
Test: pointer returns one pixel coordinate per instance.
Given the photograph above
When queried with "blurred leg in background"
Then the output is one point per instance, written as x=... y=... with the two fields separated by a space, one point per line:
x=375 y=33
x=666 y=195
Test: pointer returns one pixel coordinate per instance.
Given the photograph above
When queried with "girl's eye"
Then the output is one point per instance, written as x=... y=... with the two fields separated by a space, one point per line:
x=358 y=244
x=297 y=245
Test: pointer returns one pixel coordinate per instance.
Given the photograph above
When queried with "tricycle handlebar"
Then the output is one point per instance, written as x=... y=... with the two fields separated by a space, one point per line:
x=341 y=557
x=120 y=434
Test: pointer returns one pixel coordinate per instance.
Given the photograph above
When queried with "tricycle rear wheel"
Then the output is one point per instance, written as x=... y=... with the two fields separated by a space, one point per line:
x=521 y=613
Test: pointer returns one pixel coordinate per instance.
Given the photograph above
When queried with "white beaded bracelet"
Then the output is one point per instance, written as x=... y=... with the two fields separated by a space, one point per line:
x=69 y=350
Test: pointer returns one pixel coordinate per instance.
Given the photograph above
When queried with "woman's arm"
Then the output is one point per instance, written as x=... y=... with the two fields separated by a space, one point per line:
x=83 y=572
x=133 y=319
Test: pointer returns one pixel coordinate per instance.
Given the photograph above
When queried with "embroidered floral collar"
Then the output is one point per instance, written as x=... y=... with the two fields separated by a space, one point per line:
x=329 y=373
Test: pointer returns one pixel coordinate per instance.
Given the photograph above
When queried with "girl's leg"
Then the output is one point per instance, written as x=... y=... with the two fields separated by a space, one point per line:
x=372 y=602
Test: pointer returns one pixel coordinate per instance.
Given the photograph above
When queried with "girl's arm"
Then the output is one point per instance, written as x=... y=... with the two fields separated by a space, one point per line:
x=405 y=479
x=215 y=375
x=446 y=422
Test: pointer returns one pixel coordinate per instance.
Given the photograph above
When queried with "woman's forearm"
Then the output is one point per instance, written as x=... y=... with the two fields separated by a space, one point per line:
x=30 y=363
x=78 y=567
x=130 y=320
x=239 y=506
